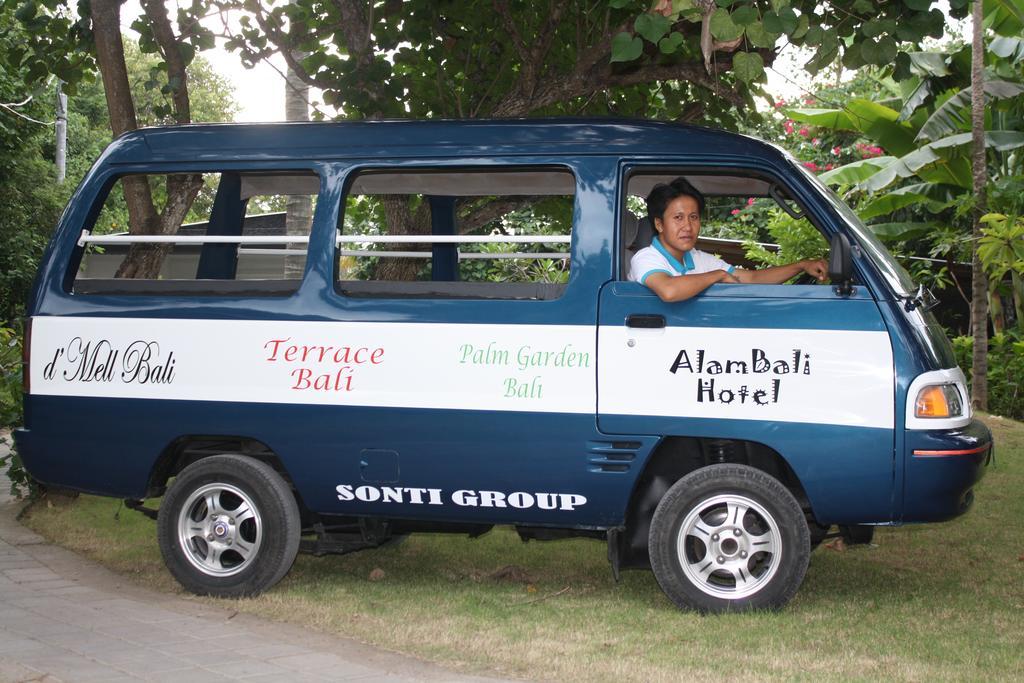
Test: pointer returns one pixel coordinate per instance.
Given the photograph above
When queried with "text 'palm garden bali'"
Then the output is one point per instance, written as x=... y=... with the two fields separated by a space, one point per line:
x=526 y=359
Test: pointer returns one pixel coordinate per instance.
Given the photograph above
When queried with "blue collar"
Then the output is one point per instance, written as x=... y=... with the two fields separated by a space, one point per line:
x=681 y=268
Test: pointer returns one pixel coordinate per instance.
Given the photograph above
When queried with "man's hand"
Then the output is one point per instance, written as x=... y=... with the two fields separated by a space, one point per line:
x=817 y=268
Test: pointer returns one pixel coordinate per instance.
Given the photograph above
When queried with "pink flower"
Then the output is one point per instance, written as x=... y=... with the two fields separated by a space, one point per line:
x=815 y=141
x=804 y=132
x=836 y=150
x=734 y=212
x=788 y=125
x=780 y=103
x=829 y=167
x=811 y=165
x=750 y=201
x=809 y=100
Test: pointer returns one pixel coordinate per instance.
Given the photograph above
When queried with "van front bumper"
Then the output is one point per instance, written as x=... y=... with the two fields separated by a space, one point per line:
x=942 y=467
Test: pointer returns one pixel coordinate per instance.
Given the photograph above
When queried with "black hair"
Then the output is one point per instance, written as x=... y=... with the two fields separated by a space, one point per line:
x=664 y=194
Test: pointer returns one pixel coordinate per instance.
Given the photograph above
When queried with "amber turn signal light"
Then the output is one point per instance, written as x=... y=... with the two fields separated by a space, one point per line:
x=938 y=400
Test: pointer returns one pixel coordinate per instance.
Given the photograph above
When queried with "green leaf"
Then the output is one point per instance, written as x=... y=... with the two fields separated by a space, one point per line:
x=619 y=4
x=671 y=43
x=26 y=12
x=879 y=52
x=723 y=27
x=745 y=15
x=873 y=28
x=918 y=5
x=626 y=47
x=855 y=172
x=758 y=37
x=954 y=114
x=918 y=96
x=772 y=23
x=882 y=124
x=652 y=27
x=1008 y=48
x=892 y=201
x=836 y=119
x=790 y=21
x=784 y=21
x=999 y=140
x=1005 y=17
x=188 y=53
x=802 y=27
x=929 y=64
x=898 y=232
x=814 y=35
x=825 y=54
x=748 y=66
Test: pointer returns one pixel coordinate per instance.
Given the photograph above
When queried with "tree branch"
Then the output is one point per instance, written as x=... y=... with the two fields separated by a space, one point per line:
x=604 y=76
x=475 y=217
x=501 y=7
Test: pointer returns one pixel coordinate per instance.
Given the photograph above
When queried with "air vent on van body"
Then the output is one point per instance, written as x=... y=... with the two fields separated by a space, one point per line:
x=611 y=456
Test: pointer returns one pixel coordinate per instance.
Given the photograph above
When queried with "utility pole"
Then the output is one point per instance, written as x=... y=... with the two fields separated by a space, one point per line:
x=61 y=127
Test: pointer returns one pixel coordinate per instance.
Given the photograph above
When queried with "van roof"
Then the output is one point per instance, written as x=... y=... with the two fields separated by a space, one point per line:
x=400 y=138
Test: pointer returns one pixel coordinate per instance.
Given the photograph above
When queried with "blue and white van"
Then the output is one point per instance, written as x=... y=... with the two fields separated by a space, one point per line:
x=349 y=332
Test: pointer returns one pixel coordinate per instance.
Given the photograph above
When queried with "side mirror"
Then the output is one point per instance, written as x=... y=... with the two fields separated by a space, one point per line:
x=840 y=265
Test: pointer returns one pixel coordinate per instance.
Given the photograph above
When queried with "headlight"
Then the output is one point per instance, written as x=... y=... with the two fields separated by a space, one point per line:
x=937 y=401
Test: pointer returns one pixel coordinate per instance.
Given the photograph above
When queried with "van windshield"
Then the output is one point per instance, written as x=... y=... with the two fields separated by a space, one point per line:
x=899 y=279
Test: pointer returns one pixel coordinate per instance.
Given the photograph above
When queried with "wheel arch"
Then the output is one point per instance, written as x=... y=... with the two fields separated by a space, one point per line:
x=189 y=448
x=675 y=457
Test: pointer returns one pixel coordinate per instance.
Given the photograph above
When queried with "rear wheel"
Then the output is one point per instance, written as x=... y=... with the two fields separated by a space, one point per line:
x=729 y=537
x=228 y=526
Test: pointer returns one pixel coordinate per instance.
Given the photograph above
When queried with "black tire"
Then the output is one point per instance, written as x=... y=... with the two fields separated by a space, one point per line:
x=241 y=546
x=857 y=534
x=760 y=564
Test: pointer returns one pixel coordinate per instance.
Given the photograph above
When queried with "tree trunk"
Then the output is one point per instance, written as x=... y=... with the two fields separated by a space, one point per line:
x=106 y=18
x=979 y=282
x=142 y=260
x=402 y=221
x=299 y=208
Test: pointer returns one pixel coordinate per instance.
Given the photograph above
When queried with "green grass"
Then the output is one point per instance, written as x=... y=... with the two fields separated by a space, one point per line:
x=936 y=602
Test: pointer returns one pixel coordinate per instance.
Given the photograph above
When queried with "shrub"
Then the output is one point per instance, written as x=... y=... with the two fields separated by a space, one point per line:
x=1005 y=372
x=11 y=409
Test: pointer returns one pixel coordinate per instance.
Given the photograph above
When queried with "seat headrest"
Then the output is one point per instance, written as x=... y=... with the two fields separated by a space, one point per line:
x=644 y=235
x=629 y=229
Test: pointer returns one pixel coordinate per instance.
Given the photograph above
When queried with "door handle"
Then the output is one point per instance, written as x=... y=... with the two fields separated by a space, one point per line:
x=645 y=320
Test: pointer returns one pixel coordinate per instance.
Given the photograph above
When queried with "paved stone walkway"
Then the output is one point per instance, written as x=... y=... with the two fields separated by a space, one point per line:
x=64 y=618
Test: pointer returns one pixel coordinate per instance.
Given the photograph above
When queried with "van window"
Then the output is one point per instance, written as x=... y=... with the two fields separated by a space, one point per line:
x=260 y=225
x=500 y=233
x=745 y=222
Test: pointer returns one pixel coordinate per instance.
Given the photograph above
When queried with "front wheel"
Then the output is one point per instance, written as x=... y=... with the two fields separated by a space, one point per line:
x=229 y=526
x=728 y=538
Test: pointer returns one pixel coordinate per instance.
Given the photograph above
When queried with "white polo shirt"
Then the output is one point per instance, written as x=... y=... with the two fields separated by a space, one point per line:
x=657 y=259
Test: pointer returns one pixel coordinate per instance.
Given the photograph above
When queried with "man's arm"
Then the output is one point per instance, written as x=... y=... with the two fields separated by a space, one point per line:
x=776 y=275
x=681 y=287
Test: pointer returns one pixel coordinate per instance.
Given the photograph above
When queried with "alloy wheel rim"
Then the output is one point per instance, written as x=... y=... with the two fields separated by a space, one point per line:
x=220 y=530
x=729 y=546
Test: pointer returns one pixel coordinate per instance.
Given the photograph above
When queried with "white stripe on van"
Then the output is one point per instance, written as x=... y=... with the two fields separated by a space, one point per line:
x=827 y=377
